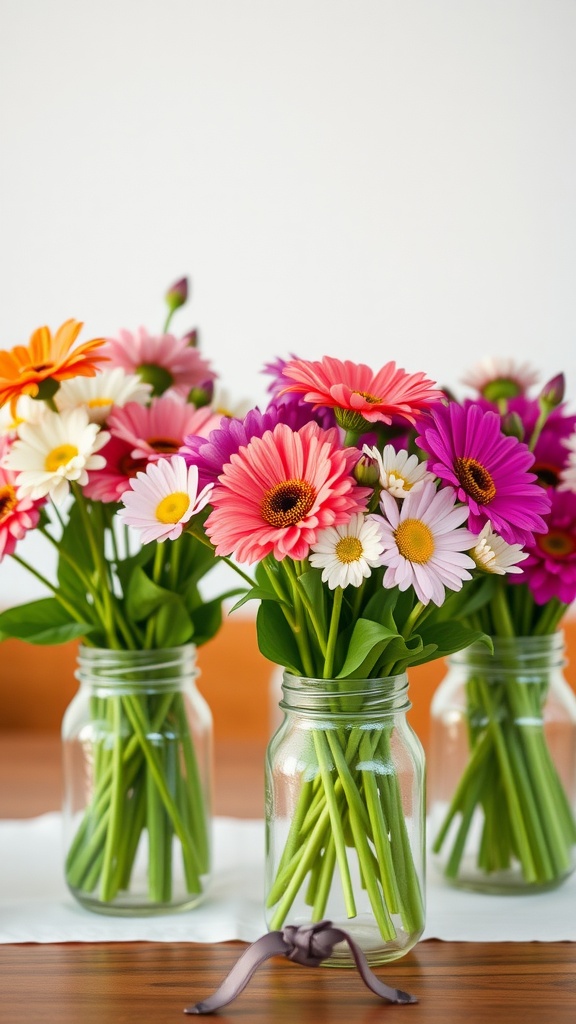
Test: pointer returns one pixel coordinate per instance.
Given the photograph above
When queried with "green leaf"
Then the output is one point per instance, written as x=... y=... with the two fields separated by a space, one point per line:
x=367 y=642
x=255 y=594
x=143 y=596
x=275 y=638
x=447 y=638
x=41 y=622
x=311 y=582
x=172 y=624
x=207 y=621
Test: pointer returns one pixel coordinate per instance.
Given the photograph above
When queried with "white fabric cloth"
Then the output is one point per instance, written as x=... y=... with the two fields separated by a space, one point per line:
x=35 y=905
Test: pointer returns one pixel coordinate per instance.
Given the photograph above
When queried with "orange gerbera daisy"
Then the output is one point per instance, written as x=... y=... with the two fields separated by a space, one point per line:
x=47 y=357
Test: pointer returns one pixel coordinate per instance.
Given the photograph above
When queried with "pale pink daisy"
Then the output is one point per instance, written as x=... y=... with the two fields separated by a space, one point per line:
x=280 y=490
x=357 y=394
x=424 y=543
x=164 y=361
x=347 y=553
x=500 y=379
x=17 y=515
x=398 y=471
x=493 y=555
x=161 y=501
x=50 y=454
x=109 y=389
x=159 y=429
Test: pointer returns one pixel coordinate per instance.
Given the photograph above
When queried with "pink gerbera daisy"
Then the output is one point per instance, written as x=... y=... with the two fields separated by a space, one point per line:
x=159 y=429
x=110 y=482
x=357 y=394
x=280 y=490
x=424 y=543
x=550 y=569
x=164 y=361
x=489 y=470
x=163 y=499
x=17 y=515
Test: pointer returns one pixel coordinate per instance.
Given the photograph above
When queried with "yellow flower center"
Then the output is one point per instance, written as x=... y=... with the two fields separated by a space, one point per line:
x=99 y=403
x=287 y=503
x=8 y=501
x=368 y=397
x=415 y=541
x=348 y=549
x=173 y=507
x=59 y=457
x=475 y=479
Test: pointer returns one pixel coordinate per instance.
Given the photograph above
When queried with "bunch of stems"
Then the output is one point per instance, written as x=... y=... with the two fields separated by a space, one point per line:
x=510 y=782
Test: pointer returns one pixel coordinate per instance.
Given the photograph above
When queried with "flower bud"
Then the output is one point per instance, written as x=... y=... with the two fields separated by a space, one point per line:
x=512 y=425
x=177 y=294
x=552 y=393
x=191 y=338
x=201 y=395
x=366 y=471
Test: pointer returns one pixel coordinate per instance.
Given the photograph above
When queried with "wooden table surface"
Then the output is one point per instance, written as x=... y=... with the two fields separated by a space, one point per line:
x=116 y=983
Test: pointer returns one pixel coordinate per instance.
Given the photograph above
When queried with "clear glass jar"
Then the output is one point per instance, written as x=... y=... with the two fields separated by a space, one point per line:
x=345 y=806
x=502 y=767
x=137 y=751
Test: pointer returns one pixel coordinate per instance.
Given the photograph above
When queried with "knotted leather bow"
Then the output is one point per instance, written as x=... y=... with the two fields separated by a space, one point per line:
x=308 y=945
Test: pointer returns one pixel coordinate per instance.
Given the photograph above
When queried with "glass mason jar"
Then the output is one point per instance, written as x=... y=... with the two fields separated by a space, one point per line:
x=345 y=814
x=137 y=750
x=502 y=767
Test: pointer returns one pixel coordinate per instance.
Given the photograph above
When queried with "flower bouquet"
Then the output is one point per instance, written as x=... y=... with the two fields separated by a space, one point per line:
x=501 y=809
x=356 y=544
x=80 y=422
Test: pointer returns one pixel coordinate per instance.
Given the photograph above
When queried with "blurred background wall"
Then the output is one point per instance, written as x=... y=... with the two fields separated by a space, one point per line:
x=370 y=179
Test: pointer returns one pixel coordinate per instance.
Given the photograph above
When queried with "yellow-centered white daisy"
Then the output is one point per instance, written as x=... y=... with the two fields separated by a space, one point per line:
x=58 y=449
x=494 y=555
x=424 y=542
x=163 y=499
x=347 y=553
x=28 y=410
x=399 y=472
x=109 y=389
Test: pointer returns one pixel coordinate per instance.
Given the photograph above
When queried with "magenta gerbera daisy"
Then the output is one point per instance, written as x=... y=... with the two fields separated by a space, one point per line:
x=357 y=394
x=159 y=429
x=17 y=515
x=489 y=471
x=168 y=363
x=278 y=492
x=550 y=569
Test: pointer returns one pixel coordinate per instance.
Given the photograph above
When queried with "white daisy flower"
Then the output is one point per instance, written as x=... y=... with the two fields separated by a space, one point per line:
x=163 y=499
x=225 y=404
x=424 y=543
x=567 y=479
x=100 y=394
x=492 y=554
x=399 y=472
x=58 y=449
x=28 y=410
x=347 y=553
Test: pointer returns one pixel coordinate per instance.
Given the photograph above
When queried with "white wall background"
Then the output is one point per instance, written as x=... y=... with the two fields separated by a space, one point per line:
x=373 y=179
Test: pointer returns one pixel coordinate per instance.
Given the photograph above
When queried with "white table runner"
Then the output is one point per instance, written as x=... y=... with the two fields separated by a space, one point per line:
x=35 y=905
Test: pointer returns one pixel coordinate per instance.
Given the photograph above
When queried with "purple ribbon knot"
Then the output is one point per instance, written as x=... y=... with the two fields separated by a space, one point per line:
x=308 y=945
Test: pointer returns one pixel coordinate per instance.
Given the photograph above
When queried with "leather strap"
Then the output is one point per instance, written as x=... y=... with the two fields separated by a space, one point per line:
x=308 y=945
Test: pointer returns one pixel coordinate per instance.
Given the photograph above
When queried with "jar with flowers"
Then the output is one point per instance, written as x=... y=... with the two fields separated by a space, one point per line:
x=502 y=766
x=356 y=545
x=81 y=424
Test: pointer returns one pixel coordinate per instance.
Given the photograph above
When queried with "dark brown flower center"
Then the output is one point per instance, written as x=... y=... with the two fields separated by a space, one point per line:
x=165 y=445
x=475 y=479
x=558 y=544
x=129 y=466
x=287 y=503
x=548 y=475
